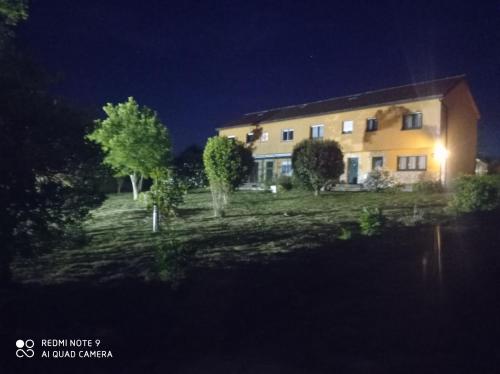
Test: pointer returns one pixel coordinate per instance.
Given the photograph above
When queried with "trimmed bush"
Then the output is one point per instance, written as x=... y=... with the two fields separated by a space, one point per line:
x=371 y=221
x=315 y=162
x=227 y=164
x=476 y=193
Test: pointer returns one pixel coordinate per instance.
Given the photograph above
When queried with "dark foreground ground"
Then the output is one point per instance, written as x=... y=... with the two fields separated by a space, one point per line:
x=416 y=300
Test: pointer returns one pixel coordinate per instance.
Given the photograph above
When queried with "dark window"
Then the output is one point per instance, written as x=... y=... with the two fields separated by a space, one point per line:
x=269 y=171
x=317 y=132
x=250 y=137
x=371 y=124
x=377 y=163
x=287 y=134
x=411 y=163
x=412 y=121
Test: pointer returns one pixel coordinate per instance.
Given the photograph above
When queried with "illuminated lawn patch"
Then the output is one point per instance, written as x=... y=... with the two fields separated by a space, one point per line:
x=258 y=226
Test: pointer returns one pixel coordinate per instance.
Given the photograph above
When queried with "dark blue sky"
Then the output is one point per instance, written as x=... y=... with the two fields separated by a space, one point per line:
x=202 y=63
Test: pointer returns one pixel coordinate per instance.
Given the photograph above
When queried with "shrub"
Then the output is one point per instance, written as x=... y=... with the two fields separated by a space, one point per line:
x=166 y=192
x=379 y=180
x=171 y=259
x=345 y=234
x=428 y=186
x=317 y=161
x=475 y=193
x=285 y=182
x=371 y=221
x=227 y=164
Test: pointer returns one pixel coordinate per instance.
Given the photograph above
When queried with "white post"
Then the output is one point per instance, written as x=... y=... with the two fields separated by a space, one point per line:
x=155 y=218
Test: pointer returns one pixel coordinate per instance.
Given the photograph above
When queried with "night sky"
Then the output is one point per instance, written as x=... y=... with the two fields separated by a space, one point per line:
x=200 y=64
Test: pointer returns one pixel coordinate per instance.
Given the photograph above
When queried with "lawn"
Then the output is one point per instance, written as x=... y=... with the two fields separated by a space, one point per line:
x=258 y=226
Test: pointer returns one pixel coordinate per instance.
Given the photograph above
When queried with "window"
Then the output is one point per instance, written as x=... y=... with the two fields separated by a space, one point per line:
x=264 y=137
x=412 y=121
x=317 y=132
x=371 y=124
x=286 y=167
x=287 y=135
x=377 y=163
x=408 y=163
x=347 y=127
x=250 y=137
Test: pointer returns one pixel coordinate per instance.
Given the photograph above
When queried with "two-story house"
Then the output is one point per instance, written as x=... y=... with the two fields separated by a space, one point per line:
x=419 y=131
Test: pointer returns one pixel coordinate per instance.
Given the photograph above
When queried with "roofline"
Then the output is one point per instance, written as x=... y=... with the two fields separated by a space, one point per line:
x=440 y=96
x=360 y=93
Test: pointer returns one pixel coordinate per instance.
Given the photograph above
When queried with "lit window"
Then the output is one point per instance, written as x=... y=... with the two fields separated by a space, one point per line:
x=264 y=137
x=287 y=135
x=286 y=167
x=347 y=127
x=317 y=132
x=371 y=124
x=412 y=163
x=412 y=121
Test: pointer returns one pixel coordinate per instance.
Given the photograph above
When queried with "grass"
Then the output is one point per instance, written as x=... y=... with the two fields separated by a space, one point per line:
x=258 y=226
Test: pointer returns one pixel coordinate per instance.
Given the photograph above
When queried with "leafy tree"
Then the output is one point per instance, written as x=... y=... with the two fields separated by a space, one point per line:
x=227 y=164
x=134 y=141
x=11 y=13
x=315 y=162
x=189 y=167
x=48 y=174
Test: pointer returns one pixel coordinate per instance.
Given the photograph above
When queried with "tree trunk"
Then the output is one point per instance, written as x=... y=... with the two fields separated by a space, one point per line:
x=316 y=192
x=139 y=186
x=133 y=180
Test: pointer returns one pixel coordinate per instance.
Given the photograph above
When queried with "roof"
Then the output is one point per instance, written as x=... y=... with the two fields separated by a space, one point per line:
x=410 y=92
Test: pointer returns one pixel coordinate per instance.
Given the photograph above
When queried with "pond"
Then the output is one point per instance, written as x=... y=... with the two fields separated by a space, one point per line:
x=413 y=300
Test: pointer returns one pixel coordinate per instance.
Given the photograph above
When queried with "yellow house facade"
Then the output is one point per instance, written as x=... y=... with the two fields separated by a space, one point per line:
x=422 y=131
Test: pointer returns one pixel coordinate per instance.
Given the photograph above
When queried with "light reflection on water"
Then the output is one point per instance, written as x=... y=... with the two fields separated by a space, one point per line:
x=432 y=265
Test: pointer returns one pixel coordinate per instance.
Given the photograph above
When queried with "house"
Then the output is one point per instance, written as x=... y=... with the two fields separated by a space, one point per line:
x=419 y=131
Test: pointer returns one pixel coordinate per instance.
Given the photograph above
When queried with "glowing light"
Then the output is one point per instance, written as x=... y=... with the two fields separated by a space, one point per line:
x=441 y=153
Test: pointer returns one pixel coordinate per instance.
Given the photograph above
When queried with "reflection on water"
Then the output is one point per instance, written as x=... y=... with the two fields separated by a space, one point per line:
x=432 y=265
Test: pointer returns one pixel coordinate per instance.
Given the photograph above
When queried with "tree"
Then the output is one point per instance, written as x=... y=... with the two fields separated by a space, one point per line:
x=315 y=162
x=48 y=174
x=227 y=164
x=189 y=167
x=134 y=141
x=11 y=13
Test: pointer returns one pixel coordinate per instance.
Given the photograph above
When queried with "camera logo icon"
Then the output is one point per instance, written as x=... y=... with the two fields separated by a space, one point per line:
x=24 y=348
